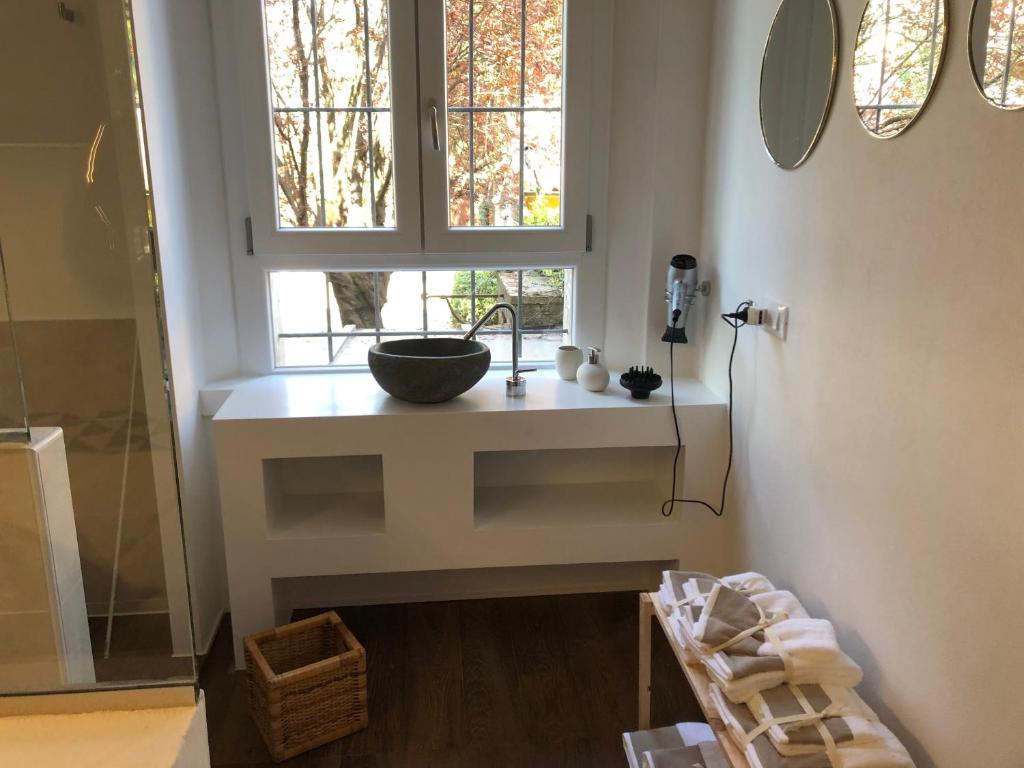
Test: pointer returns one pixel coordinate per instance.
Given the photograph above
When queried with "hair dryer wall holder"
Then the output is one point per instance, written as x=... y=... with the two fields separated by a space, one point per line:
x=703 y=288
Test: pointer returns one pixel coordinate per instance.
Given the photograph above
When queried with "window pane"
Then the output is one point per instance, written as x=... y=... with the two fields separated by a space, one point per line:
x=496 y=169
x=402 y=308
x=290 y=52
x=489 y=292
x=503 y=86
x=500 y=345
x=472 y=293
x=383 y=171
x=352 y=350
x=542 y=169
x=456 y=23
x=542 y=346
x=306 y=352
x=299 y=303
x=297 y=152
x=333 y=318
x=380 y=59
x=337 y=82
x=353 y=296
x=458 y=169
x=544 y=53
x=543 y=299
x=347 y=198
x=497 y=68
x=448 y=300
x=352 y=199
x=341 y=50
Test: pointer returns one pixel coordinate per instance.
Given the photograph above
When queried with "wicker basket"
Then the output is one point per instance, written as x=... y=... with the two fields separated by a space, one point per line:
x=307 y=684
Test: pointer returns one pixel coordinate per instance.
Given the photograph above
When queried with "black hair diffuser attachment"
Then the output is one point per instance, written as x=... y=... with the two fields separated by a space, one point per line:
x=640 y=382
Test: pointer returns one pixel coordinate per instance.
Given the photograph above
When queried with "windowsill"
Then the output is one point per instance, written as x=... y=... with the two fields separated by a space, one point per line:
x=340 y=395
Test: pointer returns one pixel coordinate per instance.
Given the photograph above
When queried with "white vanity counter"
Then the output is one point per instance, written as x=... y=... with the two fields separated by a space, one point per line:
x=303 y=396
x=326 y=475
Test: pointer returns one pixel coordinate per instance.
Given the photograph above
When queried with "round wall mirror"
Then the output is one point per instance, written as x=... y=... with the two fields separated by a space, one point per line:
x=900 y=46
x=997 y=51
x=798 y=75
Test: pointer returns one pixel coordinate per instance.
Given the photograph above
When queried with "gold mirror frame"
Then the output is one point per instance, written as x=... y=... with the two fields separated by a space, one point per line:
x=834 y=16
x=931 y=89
x=974 y=71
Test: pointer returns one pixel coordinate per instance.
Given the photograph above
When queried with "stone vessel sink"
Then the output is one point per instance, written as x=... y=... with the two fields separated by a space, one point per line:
x=428 y=370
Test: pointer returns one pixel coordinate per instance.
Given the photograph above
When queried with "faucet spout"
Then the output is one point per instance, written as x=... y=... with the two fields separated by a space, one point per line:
x=515 y=384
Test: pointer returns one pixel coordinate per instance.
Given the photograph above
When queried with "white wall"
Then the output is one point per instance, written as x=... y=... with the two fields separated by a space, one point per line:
x=879 y=447
x=180 y=102
x=659 y=107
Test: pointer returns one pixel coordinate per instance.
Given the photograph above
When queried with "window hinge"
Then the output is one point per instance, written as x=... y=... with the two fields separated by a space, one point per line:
x=590 y=233
x=249 y=249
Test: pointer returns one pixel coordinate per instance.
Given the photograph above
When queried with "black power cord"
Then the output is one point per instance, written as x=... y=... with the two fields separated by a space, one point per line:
x=737 y=320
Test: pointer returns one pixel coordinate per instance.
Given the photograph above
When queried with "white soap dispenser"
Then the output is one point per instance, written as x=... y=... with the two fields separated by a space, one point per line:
x=592 y=375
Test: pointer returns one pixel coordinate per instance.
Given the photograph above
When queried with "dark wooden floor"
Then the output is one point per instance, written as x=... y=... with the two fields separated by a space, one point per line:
x=532 y=682
x=140 y=649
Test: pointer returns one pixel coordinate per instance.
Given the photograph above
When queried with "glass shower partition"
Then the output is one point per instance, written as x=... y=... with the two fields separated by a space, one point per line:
x=93 y=587
x=13 y=410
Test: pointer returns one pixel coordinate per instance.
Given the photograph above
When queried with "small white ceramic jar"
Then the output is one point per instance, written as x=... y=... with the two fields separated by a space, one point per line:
x=568 y=359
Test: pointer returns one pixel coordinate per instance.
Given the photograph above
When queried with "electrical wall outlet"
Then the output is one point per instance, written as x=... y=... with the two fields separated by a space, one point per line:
x=776 y=320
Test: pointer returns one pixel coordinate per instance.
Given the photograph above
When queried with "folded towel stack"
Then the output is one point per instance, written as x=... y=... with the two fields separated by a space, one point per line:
x=753 y=637
x=686 y=745
x=810 y=727
x=779 y=679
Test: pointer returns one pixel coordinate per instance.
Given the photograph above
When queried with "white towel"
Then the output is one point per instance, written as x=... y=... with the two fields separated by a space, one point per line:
x=675 y=622
x=871 y=744
x=842 y=703
x=680 y=757
x=808 y=650
x=749 y=583
x=780 y=601
x=699 y=749
x=842 y=673
x=788 y=715
x=639 y=743
x=692 y=586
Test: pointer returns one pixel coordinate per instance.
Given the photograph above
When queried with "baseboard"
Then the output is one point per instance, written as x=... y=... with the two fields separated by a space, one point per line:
x=472 y=584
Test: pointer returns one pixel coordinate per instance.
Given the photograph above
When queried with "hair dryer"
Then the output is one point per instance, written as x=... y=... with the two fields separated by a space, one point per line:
x=680 y=293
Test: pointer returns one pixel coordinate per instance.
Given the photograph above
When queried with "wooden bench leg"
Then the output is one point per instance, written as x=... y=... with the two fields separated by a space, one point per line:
x=644 y=699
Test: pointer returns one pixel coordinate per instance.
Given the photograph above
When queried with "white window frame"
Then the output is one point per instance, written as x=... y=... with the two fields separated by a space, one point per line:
x=417 y=243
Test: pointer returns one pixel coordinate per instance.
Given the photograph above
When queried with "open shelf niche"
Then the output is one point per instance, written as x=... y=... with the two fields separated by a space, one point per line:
x=572 y=487
x=324 y=496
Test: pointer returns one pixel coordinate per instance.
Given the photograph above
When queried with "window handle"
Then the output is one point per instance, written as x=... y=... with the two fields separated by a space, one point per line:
x=434 y=133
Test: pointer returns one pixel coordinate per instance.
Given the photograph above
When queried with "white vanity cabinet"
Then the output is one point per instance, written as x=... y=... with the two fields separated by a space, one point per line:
x=325 y=475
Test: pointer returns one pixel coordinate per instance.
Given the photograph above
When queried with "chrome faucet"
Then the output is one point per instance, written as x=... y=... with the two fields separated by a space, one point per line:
x=515 y=385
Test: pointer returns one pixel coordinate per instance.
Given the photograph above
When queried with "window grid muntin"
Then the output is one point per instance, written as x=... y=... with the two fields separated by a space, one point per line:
x=381 y=334
x=522 y=110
